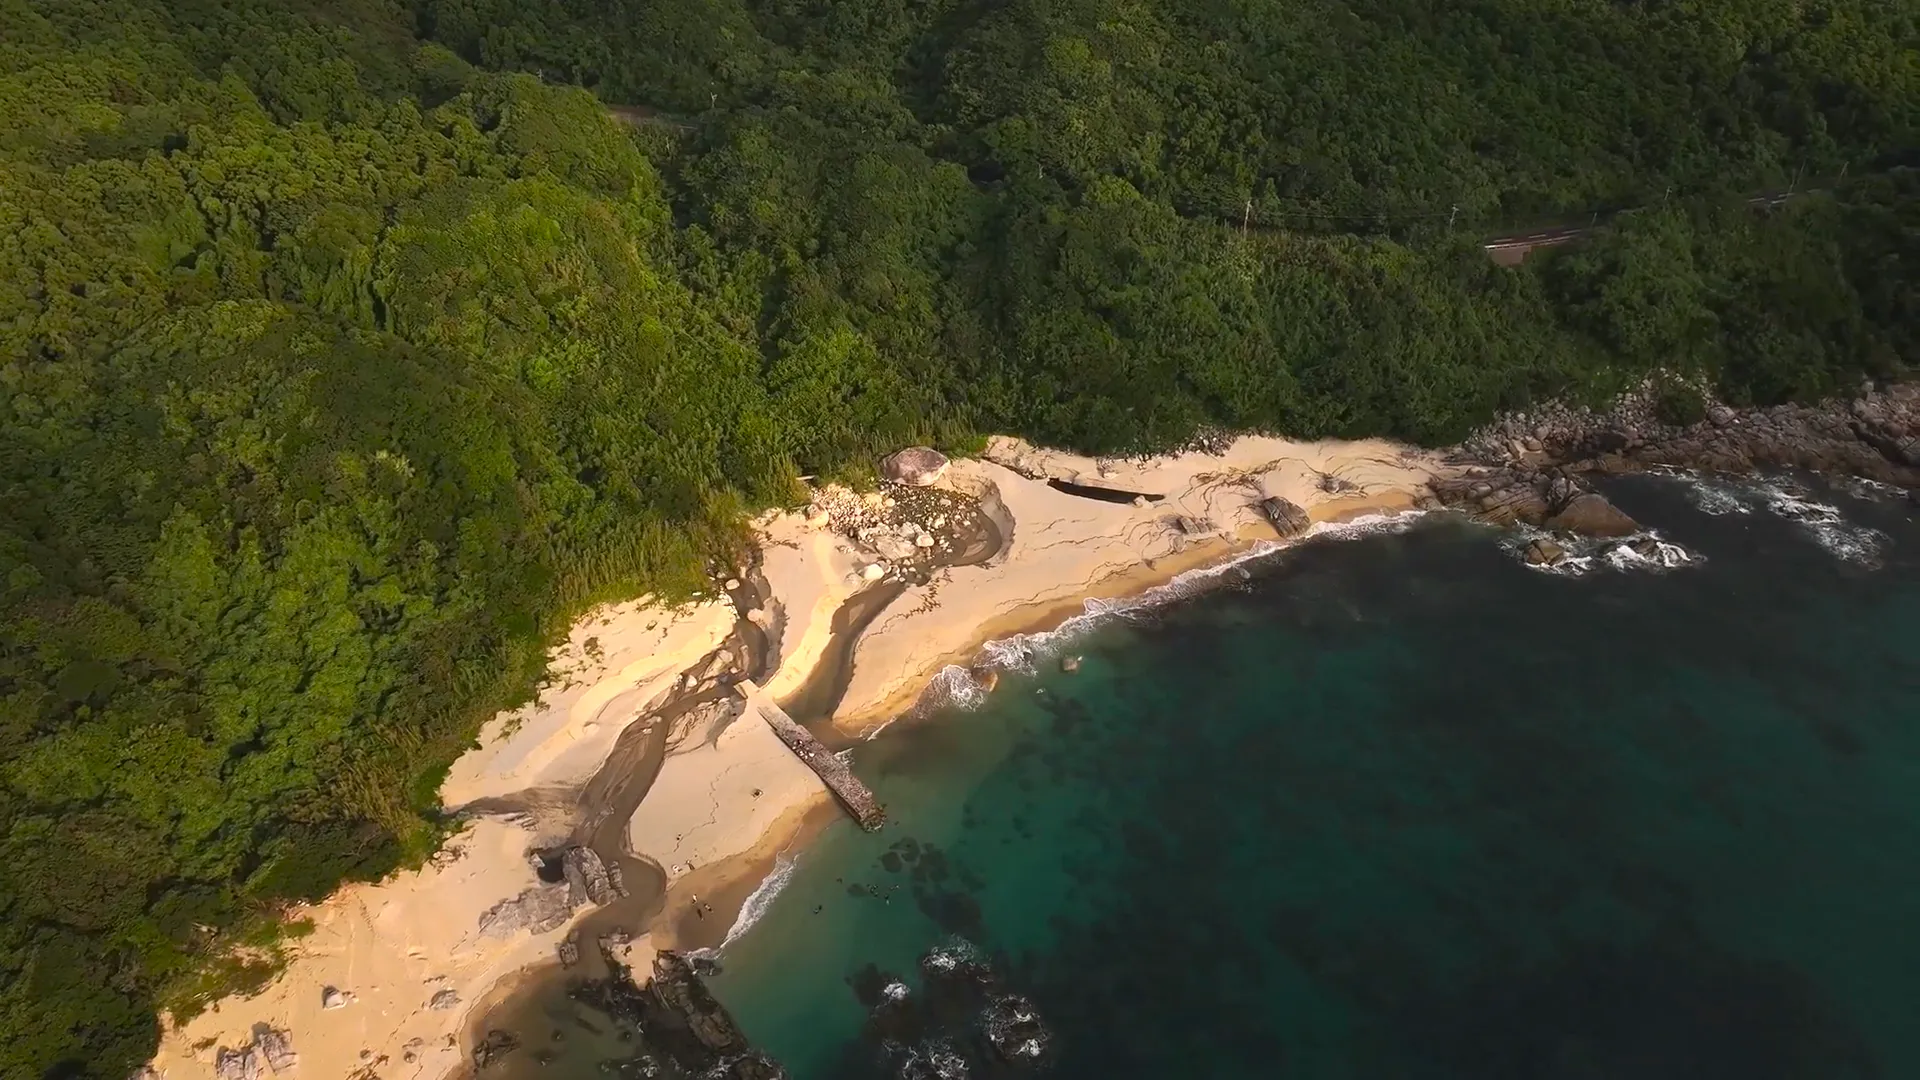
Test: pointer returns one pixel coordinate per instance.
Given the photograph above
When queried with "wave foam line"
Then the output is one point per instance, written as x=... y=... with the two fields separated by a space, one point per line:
x=760 y=899
x=956 y=687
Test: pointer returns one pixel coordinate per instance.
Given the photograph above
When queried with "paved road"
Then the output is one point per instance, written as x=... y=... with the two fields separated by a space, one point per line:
x=1512 y=249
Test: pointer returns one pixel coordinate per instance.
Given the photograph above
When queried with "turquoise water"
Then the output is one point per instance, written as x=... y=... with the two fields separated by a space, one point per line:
x=1402 y=807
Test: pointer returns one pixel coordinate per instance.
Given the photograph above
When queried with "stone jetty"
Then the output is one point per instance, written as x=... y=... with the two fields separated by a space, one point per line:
x=833 y=772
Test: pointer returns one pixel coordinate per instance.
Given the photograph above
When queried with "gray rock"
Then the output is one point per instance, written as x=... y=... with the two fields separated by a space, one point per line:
x=332 y=997
x=276 y=1047
x=443 y=1000
x=1544 y=552
x=241 y=1064
x=586 y=877
x=1288 y=519
x=916 y=466
x=538 y=909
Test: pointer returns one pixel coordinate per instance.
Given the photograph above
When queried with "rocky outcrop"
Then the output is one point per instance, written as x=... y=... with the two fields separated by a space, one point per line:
x=1288 y=518
x=1544 y=552
x=916 y=466
x=240 y=1064
x=587 y=879
x=1590 y=514
x=1875 y=435
x=443 y=1000
x=1524 y=495
x=276 y=1047
x=537 y=910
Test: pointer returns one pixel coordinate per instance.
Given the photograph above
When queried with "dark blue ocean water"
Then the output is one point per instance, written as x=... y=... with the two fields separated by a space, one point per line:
x=1402 y=807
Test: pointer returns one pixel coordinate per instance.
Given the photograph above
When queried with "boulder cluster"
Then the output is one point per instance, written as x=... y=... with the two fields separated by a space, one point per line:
x=270 y=1047
x=1530 y=468
x=1875 y=435
x=902 y=530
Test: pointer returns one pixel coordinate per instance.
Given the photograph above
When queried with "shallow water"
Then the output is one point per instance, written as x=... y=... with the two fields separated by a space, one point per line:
x=1402 y=806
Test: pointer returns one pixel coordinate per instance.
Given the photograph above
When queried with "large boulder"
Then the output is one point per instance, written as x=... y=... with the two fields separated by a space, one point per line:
x=241 y=1064
x=276 y=1047
x=1288 y=519
x=916 y=466
x=1590 y=514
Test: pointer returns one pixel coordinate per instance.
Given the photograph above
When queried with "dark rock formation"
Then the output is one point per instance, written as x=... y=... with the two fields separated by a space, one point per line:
x=1287 y=518
x=1590 y=514
x=1103 y=494
x=1544 y=552
x=683 y=1020
x=276 y=1047
x=587 y=879
x=1875 y=435
x=1521 y=494
x=241 y=1064
x=496 y=1045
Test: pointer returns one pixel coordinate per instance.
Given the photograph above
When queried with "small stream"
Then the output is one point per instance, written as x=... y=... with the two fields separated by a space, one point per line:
x=560 y=1034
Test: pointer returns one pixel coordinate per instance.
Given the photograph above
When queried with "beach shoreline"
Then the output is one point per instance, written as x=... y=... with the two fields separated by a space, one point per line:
x=728 y=800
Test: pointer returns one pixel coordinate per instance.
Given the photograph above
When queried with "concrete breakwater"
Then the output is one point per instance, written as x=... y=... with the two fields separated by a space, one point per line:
x=833 y=772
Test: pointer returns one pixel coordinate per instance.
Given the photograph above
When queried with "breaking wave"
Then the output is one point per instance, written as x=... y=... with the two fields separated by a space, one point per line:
x=955 y=686
x=1641 y=551
x=1824 y=523
x=761 y=899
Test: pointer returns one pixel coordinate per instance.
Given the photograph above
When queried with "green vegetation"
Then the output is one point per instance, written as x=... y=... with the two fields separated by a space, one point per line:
x=345 y=355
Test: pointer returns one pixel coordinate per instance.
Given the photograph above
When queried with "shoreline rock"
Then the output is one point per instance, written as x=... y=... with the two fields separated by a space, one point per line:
x=1533 y=468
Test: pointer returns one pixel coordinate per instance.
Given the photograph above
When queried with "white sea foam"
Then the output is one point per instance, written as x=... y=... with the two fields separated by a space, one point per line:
x=1585 y=555
x=1843 y=539
x=956 y=687
x=894 y=991
x=761 y=899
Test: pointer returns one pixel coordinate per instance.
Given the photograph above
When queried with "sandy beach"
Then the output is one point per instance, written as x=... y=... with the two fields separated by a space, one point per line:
x=407 y=957
x=1064 y=550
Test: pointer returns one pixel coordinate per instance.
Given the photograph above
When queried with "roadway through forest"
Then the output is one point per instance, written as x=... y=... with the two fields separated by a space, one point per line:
x=1512 y=249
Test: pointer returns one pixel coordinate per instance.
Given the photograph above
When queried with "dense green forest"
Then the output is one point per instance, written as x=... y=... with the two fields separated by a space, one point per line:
x=349 y=347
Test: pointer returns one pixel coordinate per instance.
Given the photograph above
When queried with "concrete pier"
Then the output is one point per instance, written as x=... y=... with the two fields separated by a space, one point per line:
x=833 y=772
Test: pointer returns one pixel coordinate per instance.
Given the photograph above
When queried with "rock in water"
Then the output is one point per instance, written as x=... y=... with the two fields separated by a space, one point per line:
x=1288 y=519
x=916 y=466
x=1069 y=664
x=1544 y=552
x=1590 y=514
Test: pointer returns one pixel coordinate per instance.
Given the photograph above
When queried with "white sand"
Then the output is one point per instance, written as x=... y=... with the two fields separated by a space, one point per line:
x=716 y=797
x=394 y=944
x=810 y=571
x=617 y=663
x=1066 y=549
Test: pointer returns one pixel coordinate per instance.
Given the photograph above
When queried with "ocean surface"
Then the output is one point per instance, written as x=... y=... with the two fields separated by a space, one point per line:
x=1400 y=806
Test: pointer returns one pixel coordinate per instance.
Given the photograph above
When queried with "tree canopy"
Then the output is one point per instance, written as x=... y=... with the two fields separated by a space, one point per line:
x=349 y=348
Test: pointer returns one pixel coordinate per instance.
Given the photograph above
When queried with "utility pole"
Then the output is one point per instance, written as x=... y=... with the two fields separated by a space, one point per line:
x=1246 y=216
